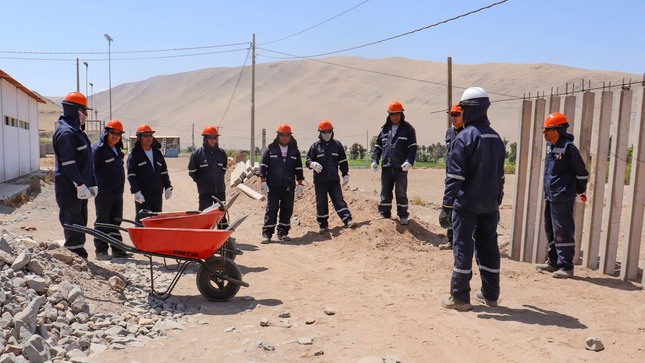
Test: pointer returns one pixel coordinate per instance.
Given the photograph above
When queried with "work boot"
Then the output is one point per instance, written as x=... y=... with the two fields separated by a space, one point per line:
x=445 y=246
x=452 y=303
x=284 y=238
x=563 y=274
x=265 y=239
x=103 y=256
x=384 y=216
x=322 y=230
x=350 y=223
x=480 y=297
x=403 y=221
x=121 y=254
x=546 y=267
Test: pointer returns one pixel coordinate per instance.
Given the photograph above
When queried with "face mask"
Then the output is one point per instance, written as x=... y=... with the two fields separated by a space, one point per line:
x=326 y=137
x=82 y=117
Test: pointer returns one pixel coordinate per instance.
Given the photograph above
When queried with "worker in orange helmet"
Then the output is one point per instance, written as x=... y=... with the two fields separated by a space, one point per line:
x=74 y=180
x=280 y=169
x=457 y=121
x=110 y=179
x=565 y=177
x=148 y=173
x=326 y=156
x=396 y=147
x=207 y=166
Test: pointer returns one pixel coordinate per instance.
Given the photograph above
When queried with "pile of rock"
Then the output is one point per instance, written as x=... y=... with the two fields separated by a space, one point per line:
x=45 y=317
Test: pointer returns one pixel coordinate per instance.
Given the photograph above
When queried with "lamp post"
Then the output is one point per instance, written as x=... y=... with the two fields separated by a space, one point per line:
x=91 y=94
x=86 y=67
x=110 y=40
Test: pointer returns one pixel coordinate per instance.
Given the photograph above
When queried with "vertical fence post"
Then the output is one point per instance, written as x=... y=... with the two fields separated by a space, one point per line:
x=533 y=195
x=521 y=169
x=596 y=186
x=635 y=200
x=617 y=167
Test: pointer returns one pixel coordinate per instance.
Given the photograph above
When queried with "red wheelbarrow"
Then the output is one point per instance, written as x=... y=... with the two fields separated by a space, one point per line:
x=218 y=277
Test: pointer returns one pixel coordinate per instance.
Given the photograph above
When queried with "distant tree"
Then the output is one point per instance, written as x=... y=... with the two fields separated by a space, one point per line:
x=357 y=151
x=512 y=155
x=505 y=148
x=373 y=142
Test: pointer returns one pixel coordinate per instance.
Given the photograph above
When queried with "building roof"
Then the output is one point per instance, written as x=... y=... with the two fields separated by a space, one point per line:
x=18 y=85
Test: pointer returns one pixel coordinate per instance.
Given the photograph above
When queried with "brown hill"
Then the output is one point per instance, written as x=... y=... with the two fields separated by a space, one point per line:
x=351 y=92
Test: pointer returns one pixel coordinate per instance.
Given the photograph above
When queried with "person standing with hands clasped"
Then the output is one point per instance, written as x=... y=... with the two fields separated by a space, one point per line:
x=148 y=173
x=457 y=121
x=73 y=174
x=325 y=157
x=565 y=177
x=474 y=190
x=280 y=168
x=207 y=166
x=110 y=179
x=396 y=144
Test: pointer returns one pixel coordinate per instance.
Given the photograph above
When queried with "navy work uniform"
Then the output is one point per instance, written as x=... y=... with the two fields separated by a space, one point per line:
x=110 y=178
x=451 y=135
x=150 y=177
x=395 y=145
x=74 y=168
x=281 y=172
x=207 y=167
x=331 y=155
x=565 y=176
x=474 y=189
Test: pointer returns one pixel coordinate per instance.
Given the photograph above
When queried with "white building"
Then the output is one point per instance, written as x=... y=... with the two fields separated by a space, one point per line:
x=20 y=147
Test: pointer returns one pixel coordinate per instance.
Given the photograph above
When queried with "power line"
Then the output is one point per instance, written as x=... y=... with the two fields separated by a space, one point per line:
x=131 y=58
x=235 y=89
x=410 y=32
x=126 y=52
x=317 y=25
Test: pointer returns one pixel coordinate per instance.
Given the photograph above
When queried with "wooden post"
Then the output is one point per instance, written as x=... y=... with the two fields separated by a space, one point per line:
x=617 y=167
x=521 y=176
x=583 y=141
x=635 y=200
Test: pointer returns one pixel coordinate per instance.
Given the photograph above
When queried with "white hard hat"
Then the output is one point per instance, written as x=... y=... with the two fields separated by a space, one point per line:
x=473 y=92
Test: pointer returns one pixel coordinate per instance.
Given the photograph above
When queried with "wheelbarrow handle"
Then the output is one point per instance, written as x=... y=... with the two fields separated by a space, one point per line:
x=111 y=226
x=236 y=223
x=136 y=224
x=100 y=235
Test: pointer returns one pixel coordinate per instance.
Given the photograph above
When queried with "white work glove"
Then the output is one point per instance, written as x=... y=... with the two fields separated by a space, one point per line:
x=94 y=191
x=168 y=193
x=316 y=166
x=138 y=197
x=345 y=179
x=82 y=192
x=264 y=188
x=406 y=166
x=374 y=166
x=298 y=190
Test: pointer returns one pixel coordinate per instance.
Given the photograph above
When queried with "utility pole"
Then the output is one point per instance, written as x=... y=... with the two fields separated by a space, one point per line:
x=78 y=76
x=449 y=89
x=252 y=151
x=193 y=137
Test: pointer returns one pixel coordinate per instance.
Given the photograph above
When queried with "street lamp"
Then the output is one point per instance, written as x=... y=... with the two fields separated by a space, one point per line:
x=86 y=66
x=91 y=93
x=110 y=40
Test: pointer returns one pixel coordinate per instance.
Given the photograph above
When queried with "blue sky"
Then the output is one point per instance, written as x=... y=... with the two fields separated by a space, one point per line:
x=600 y=35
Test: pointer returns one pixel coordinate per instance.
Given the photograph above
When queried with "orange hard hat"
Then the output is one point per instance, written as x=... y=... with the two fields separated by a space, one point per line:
x=284 y=129
x=395 y=107
x=556 y=120
x=455 y=109
x=144 y=129
x=114 y=125
x=325 y=125
x=77 y=99
x=210 y=130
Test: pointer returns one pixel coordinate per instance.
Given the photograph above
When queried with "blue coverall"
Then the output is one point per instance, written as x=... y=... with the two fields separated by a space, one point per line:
x=474 y=188
x=148 y=179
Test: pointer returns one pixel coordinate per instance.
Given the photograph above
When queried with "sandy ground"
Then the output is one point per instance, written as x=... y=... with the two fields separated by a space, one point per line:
x=384 y=282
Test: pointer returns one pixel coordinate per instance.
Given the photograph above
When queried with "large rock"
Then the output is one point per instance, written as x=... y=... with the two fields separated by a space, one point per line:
x=36 y=350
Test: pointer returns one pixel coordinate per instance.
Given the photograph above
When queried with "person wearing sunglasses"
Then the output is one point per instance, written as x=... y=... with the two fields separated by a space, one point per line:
x=280 y=168
x=396 y=145
x=110 y=180
x=474 y=189
x=74 y=181
x=457 y=121
x=326 y=156
x=148 y=173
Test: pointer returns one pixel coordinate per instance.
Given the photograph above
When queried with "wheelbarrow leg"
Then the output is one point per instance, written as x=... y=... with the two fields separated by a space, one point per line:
x=164 y=295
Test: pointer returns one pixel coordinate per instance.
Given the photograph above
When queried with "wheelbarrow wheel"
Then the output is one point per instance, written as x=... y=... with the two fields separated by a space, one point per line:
x=214 y=288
